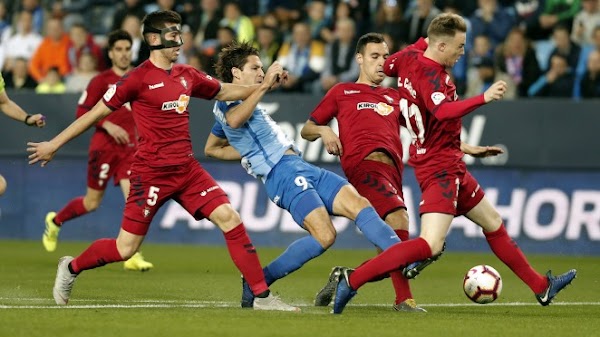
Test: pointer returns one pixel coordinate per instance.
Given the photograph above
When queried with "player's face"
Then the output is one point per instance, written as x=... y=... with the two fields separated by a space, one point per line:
x=172 y=53
x=252 y=72
x=371 y=62
x=120 y=54
x=454 y=49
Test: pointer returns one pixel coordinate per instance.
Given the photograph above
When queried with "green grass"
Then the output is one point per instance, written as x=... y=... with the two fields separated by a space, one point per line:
x=194 y=291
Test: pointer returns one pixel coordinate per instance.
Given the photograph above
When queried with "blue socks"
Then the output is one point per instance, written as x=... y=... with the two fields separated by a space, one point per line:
x=375 y=229
x=294 y=257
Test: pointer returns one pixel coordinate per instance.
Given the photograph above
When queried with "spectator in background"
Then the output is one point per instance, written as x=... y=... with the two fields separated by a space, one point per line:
x=491 y=20
x=564 y=46
x=125 y=9
x=558 y=12
x=286 y=11
x=420 y=19
x=557 y=82
x=527 y=14
x=51 y=83
x=318 y=22
x=517 y=58
x=18 y=78
x=196 y=61
x=303 y=57
x=206 y=22
x=583 y=60
x=585 y=21
x=225 y=36
x=82 y=42
x=22 y=44
x=241 y=24
x=37 y=13
x=139 y=50
x=267 y=45
x=83 y=74
x=4 y=19
x=357 y=10
x=486 y=75
x=389 y=20
x=52 y=52
x=339 y=56
x=590 y=83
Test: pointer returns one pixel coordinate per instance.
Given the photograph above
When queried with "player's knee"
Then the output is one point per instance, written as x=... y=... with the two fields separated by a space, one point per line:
x=325 y=238
x=2 y=185
x=126 y=249
x=435 y=244
x=91 y=204
x=357 y=204
x=225 y=217
x=398 y=219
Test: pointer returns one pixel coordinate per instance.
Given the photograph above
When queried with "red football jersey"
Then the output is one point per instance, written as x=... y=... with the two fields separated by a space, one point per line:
x=368 y=120
x=122 y=116
x=159 y=101
x=424 y=85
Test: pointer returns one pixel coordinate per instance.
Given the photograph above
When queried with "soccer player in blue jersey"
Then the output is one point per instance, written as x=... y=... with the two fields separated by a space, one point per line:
x=245 y=132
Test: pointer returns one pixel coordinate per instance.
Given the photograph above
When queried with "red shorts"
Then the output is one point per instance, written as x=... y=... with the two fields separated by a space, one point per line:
x=188 y=184
x=451 y=193
x=107 y=163
x=380 y=183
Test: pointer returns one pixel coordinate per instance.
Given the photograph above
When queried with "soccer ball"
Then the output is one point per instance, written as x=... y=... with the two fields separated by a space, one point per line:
x=482 y=284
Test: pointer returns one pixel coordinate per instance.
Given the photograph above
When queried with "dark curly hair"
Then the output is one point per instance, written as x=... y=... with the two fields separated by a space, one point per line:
x=234 y=55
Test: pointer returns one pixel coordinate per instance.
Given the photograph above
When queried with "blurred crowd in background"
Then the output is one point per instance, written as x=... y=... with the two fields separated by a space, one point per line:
x=541 y=48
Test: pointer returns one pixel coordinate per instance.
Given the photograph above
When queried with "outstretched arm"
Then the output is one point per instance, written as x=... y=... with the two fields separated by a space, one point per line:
x=44 y=151
x=311 y=132
x=234 y=92
x=220 y=148
x=14 y=111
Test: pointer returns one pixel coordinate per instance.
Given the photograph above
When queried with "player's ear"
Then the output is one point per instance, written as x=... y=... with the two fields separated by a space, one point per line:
x=236 y=72
x=359 y=58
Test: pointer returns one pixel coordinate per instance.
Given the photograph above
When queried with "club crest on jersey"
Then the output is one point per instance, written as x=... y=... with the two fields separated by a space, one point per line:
x=146 y=212
x=179 y=105
x=183 y=82
x=437 y=97
x=381 y=108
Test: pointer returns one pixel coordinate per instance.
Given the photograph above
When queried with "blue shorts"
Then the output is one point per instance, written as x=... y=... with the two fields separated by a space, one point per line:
x=300 y=187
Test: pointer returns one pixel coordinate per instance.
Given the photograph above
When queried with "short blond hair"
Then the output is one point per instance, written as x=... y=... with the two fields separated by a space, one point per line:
x=446 y=25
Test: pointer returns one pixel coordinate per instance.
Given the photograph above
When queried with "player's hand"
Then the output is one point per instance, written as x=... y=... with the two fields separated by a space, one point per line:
x=38 y=120
x=495 y=92
x=483 y=151
x=118 y=133
x=41 y=152
x=332 y=142
x=274 y=76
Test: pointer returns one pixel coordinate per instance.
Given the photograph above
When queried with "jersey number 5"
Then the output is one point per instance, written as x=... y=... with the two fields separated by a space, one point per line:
x=152 y=195
x=414 y=121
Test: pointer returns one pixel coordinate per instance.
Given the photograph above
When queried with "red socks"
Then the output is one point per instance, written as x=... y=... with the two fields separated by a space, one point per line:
x=391 y=259
x=244 y=256
x=508 y=252
x=74 y=209
x=99 y=253
x=400 y=283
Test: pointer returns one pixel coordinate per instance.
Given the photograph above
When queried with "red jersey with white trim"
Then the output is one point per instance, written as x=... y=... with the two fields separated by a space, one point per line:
x=121 y=116
x=159 y=101
x=368 y=119
x=424 y=85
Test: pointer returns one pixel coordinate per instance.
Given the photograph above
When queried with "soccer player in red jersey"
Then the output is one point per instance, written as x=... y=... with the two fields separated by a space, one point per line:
x=111 y=148
x=430 y=106
x=163 y=167
x=369 y=147
x=14 y=111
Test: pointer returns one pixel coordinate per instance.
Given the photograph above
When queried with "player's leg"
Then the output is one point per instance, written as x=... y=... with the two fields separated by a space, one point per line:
x=102 y=166
x=204 y=198
x=2 y=185
x=137 y=261
x=507 y=250
x=75 y=208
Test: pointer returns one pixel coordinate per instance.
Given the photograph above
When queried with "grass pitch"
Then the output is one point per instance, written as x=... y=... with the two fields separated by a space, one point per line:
x=194 y=291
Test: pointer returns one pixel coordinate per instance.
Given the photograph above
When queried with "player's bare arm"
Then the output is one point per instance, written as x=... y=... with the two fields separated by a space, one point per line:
x=220 y=148
x=311 y=132
x=234 y=92
x=480 y=151
x=238 y=115
x=44 y=152
x=14 y=111
x=118 y=133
